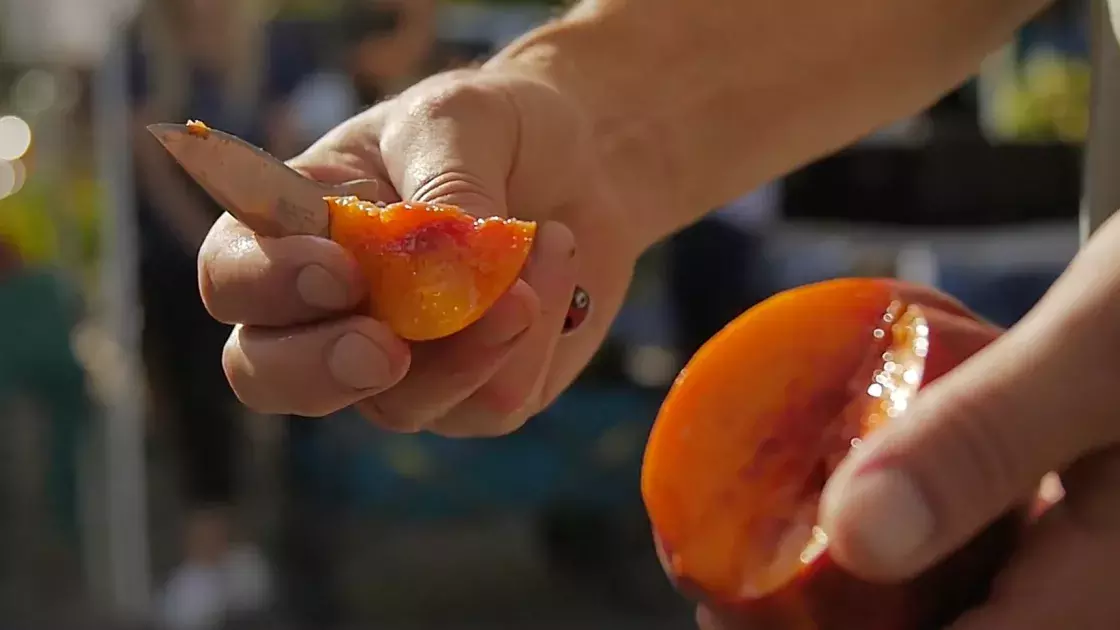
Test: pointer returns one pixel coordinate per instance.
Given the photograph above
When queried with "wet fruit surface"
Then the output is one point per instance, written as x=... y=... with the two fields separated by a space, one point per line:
x=759 y=419
x=433 y=270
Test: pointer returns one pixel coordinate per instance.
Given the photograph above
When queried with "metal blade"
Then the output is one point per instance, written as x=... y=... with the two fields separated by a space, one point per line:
x=252 y=185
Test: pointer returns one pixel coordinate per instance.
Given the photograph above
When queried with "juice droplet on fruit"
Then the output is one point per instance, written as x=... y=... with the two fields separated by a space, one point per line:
x=898 y=379
x=818 y=544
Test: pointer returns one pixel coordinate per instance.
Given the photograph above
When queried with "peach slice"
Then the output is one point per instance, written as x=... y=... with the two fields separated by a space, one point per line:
x=432 y=270
x=755 y=424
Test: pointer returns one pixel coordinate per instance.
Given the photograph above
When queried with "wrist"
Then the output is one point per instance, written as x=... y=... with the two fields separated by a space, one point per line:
x=567 y=56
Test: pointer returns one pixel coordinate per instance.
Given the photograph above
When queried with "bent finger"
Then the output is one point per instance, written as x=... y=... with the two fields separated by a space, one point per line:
x=447 y=371
x=1063 y=577
x=453 y=145
x=314 y=370
x=513 y=395
x=257 y=281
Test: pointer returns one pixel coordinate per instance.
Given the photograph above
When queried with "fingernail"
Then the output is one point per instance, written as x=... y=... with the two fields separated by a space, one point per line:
x=357 y=362
x=885 y=516
x=318 y=288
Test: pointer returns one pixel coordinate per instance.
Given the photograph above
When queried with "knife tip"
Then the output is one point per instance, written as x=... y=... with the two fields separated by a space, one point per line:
x=162 y=132
x=162 y=129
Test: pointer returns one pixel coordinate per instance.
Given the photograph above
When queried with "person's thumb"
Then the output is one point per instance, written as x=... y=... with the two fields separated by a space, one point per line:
x=452 y=142
x=971 y=447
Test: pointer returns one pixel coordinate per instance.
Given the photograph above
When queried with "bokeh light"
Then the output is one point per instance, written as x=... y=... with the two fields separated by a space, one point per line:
x=15 y=138
x=7 y=179
x=12 y=177
x=35 y=92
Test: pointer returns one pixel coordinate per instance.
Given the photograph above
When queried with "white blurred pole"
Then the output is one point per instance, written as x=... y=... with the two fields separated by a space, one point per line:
x=917 y=262
x=85 y=33
x=1102 y=154
x=122 y=471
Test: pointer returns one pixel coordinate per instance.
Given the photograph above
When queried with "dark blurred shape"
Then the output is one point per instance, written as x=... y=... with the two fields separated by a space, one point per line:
x=1002 y=297
x=609 y=553
x=716 y=272
x=450 y=55
x=385 y=43
x=38 y=314
x=948 y=184
x=10 y=261
x=362 y=20
x=218 y=62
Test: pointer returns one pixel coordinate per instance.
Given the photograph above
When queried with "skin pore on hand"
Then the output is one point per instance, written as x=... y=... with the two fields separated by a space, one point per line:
x=694 y=103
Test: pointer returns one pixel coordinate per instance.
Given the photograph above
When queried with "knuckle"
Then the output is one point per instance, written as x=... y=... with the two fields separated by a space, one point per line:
x=240 y=379
x=456 y=188
x=212 y=298
x=385 y=417
x=988 y=461
x=248 y=384
x=208 y=288
x=458 y=425
x=506 y=420
x=453 y=98
x=269 y=390
x=510 y=423
x=503 y=400
x=498 y=408
x=218 y=284
x=311 y=410
x=478 y=419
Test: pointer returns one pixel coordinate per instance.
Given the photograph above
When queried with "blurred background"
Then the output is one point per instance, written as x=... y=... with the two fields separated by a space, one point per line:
x=134 y=492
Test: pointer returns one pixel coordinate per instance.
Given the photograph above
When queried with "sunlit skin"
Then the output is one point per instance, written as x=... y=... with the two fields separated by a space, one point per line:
x=629 y=119
x=432 y=270
x=619 y=124
x=759 y=419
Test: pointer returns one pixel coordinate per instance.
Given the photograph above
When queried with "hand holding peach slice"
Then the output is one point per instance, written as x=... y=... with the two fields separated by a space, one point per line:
x=432 y=270
x=756 y=423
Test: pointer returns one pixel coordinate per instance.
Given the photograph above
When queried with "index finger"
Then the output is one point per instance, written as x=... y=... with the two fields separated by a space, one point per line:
x=248 y=279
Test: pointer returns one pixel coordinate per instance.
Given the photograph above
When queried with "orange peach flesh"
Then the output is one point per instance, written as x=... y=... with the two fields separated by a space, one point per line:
x=754 y=529
x=433 y=270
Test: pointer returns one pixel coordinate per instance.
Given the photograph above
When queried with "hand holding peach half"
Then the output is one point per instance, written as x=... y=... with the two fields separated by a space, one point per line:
x=755 y=425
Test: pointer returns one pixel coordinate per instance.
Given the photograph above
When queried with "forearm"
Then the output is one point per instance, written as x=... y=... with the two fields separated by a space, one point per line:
x=695 y=103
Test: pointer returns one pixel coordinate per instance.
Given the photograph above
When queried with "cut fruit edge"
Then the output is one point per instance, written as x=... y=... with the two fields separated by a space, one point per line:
x=337 y=203
x=896 y=370
x=892 y=386
x=496 y=248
